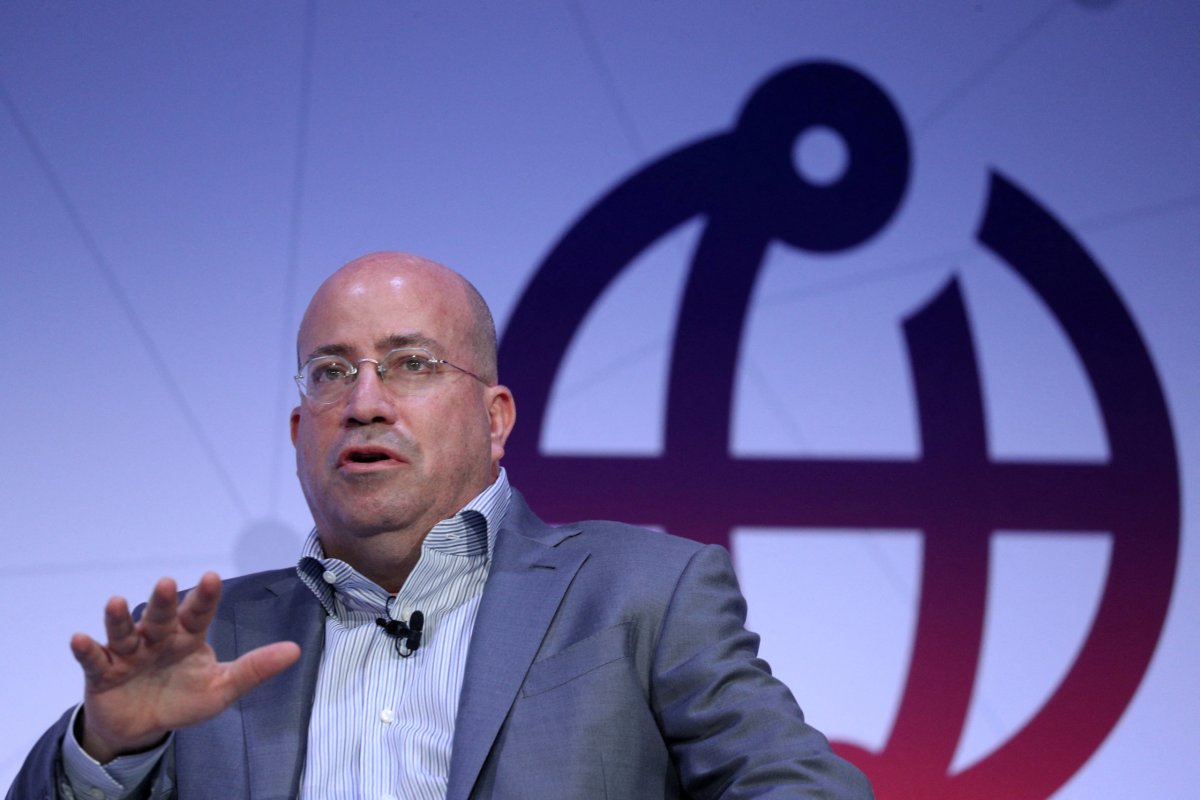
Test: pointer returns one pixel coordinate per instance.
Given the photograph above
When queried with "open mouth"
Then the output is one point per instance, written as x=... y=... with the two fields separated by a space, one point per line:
x=368 y=455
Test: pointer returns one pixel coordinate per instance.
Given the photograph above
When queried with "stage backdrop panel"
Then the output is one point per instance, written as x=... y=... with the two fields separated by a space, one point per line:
x=896 y=303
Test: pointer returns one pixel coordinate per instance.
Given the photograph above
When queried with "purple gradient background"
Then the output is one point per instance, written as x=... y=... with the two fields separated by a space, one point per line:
x=178 y=178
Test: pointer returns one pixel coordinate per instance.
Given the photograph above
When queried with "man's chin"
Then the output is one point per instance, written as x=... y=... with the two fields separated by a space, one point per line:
x=364 y=522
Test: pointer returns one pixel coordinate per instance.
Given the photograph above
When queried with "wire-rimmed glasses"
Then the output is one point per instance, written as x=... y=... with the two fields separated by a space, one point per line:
x=406 y=371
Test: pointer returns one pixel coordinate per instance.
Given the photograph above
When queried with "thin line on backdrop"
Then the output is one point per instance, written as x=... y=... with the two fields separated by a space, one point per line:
x=989 y=65
x=109 y=277
x=609 y=84
x=1130 y=216
x=950 y=260
x=292 y=260
x=93 y=566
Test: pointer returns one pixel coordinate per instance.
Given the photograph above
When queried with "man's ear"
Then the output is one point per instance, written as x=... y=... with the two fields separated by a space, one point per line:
x=502 y=414
x=295 y=423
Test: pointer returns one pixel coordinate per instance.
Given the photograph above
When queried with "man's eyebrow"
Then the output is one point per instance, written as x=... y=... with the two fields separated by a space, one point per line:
x=342 y=350
x=399 y=340
x=394 y=342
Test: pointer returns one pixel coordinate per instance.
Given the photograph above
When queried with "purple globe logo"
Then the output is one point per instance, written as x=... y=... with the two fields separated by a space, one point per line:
x=743 y=185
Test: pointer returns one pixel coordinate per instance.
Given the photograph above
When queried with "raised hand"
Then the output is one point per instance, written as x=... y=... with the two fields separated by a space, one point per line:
x=159 y=674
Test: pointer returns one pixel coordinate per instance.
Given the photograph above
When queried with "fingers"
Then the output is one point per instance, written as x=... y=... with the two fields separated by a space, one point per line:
x=260 y=664
x=119 y=628
x=161 y=618
x=200 y=605
x=161 y=614
x=164 y=613
x=90 y=655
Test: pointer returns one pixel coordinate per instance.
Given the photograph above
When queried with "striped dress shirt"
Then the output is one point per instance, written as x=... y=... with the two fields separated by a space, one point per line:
x=382 y=725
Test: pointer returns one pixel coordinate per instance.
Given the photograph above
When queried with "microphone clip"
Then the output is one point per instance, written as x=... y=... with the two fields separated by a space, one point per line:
x=406 y=636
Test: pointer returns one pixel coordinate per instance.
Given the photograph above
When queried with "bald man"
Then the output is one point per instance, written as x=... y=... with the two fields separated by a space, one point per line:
x=436 y=639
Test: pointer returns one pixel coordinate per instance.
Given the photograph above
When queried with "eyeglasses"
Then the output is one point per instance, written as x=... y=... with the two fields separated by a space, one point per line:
x=406 y=372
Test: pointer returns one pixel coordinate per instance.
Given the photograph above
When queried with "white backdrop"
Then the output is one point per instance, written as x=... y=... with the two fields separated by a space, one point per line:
x=177 y=178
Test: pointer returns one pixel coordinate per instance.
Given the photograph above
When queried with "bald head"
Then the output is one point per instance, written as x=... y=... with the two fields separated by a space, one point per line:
x=384 y=273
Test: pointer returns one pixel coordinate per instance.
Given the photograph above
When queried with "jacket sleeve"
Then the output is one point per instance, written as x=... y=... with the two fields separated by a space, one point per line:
x=43 y=777
x=42 y=774
x=734 y=731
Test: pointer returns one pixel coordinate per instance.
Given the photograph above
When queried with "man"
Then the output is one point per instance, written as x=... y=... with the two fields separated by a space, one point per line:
x=436 y=639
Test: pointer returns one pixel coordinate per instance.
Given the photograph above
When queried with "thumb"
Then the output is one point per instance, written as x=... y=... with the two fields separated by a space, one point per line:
x=258 y=665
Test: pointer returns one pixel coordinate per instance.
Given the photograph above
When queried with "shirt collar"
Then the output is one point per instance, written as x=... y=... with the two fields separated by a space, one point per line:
x=471 y=533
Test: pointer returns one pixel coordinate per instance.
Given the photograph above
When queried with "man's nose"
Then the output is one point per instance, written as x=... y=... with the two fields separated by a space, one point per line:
x=369 y=400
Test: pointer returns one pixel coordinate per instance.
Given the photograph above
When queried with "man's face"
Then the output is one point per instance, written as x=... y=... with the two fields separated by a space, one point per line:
x=374 y=462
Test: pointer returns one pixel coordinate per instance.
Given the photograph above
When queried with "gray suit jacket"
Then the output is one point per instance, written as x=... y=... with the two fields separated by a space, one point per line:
x=607 y=661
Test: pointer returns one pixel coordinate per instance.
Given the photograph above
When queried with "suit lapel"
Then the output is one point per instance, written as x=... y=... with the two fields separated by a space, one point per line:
x=275 y=716
x=524 y=589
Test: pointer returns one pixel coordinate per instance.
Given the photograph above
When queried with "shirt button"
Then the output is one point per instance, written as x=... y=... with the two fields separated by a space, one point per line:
x=330 y=576
x=387 y=716
x=96 y=793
